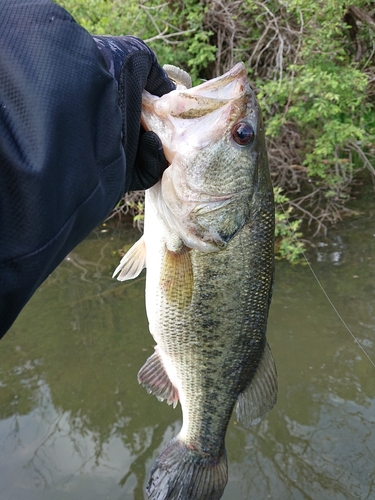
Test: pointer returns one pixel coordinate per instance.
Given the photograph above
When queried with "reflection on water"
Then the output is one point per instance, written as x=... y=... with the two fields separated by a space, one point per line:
x=75 y=424
x=334 y=253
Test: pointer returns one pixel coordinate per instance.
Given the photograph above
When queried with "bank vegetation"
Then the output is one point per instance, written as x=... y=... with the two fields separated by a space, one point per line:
x=312 y=64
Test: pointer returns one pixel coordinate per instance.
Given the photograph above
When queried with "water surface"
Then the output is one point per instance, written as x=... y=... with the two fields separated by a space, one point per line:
x=75 y=424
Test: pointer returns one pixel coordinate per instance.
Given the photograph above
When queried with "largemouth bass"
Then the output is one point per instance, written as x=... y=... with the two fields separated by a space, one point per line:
x=208 y=248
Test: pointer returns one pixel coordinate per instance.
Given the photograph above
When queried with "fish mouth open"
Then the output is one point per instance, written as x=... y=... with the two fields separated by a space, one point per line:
x=202 y=99
x=206 y=97
x=225 y=93
x=202 y=113
x=227 y=86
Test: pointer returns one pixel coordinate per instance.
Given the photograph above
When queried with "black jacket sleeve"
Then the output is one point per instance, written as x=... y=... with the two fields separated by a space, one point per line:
x=62 y=165
x=135 y=67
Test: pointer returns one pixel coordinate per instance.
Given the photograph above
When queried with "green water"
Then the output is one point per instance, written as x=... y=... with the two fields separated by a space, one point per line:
x=75 y=424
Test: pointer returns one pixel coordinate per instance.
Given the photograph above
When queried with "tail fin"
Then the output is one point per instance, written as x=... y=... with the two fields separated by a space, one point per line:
x=183 y=474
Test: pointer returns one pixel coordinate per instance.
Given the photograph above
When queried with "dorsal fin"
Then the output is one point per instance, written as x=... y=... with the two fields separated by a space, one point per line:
x=260 y=396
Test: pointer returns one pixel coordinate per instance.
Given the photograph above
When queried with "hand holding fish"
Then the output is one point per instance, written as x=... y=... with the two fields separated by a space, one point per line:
x=134 y=66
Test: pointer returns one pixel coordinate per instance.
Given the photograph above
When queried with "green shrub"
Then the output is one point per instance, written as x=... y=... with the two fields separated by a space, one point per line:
x=312 y=65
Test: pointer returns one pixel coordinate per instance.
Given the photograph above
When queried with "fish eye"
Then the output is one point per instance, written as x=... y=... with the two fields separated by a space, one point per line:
x=243 y=133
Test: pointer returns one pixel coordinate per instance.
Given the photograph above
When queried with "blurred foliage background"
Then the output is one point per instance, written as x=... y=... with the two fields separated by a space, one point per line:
x=312 y=64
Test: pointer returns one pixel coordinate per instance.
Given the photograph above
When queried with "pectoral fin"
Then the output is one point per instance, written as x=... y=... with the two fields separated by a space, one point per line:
x=154 y=378
x=133 y=262
x=260 y=396
x=177 y=277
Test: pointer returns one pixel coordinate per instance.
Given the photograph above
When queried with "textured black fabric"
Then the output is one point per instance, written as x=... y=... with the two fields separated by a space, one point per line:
x=70 y=138
x=135 y=66
x=62 y=163
x=150 y=162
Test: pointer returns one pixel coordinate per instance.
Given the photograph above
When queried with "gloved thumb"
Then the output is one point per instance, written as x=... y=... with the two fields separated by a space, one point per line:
x=150 y=163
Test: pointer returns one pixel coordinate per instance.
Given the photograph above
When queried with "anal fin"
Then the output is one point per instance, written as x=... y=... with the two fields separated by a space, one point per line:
x=260 y=396
x=133 y=262
x=155 y=379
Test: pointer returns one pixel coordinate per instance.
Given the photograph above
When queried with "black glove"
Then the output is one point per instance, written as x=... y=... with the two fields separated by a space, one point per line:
x=135 y=68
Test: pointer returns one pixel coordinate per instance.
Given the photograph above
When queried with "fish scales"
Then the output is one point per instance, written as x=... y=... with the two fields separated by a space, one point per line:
x=208 y=249
x=202 y=337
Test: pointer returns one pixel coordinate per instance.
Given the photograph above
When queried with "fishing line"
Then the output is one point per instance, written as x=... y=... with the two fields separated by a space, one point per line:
x=336 y=311
x=326 y=294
